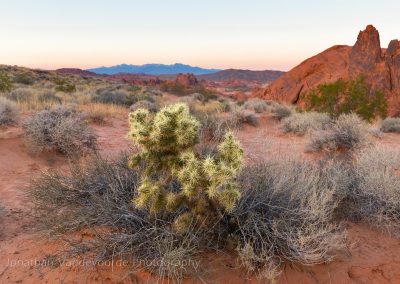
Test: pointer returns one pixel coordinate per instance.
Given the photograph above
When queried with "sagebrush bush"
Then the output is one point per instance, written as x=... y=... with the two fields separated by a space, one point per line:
x=206 y=186
x=391 y=124
x=281 y=111
x=152 y=107
x=375 y=195
x=301 y=123
x=8 y=111
x=59 y=129
x=241 y=116
x=348 y=132
x=286 y=213
x=119 y=97
x=258 y=105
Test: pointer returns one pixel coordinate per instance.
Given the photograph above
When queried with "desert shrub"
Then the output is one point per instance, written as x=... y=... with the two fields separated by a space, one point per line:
x=301 y=123
x=348 y=133
x=206 y=186
x=21 y=95
x=24 y=78
x=375 y=195
x=241 y=116
x=287 y=213
x=5 y=83
x=8 y=111
x=391 y=124
x=49 y=97
x=152 y=107
x=182 y=90
x=59 y=129
x=118 y=97
x=258 y=105
x=346 y=97
x=63 y=85
x=281 y=111
x=99 y=194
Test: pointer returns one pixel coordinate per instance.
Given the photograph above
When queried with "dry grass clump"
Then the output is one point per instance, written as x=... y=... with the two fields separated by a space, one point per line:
x=98 y=195
x=21 y=95
x=375 y=195
x=257 y=105
x=391 y=124
x=287 y=213
x=100 y=113
x=8 y=111
x=59 y=129
x=349 y=133
x=301 y=123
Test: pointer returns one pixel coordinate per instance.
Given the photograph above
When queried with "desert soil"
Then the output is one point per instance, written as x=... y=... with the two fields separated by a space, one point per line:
x=28 y=257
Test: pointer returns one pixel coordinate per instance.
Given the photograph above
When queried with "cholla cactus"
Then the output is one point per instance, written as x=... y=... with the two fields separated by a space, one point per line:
x=207 y=186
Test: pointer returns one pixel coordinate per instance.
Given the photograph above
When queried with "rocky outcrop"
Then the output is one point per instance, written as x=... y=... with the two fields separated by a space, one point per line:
x=187 y=80
x=380 y=67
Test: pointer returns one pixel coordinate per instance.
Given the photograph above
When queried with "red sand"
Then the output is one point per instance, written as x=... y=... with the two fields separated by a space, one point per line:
x=372 y=256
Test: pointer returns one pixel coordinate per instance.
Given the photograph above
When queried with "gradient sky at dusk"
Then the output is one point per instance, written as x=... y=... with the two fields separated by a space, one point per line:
x=251 y=34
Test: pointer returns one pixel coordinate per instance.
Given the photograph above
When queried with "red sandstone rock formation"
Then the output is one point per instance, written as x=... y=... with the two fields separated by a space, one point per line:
x=380 y=67
x=187 y=80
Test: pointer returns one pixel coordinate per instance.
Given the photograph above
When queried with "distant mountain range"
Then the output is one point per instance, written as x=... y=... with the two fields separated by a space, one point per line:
x=152 y=69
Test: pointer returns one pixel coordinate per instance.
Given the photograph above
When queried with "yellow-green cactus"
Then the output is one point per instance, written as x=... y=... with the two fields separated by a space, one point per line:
x=167 y=141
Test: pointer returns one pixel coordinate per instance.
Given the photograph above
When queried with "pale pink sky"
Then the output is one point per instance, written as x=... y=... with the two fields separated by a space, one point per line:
x=251 y=34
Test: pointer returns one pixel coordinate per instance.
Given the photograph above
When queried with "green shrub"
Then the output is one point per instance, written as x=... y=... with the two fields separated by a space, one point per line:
x=5 y=83
x=63 y=85
x=301 y=123
x=8 y=111
x=24 y=78
x=348 y=133
x=391 y=124
x=346 y=97
x=206 y=186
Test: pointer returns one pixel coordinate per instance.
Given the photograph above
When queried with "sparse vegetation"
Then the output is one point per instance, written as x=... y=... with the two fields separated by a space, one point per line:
x=204 y=186
x=5 y=83
x=152 y=107
x=241 y=116
x=257 y=105
x=8 y=111
x=287 y=213
x=280 y=111
x=301 y=123
x=348 y=133
x=375 y=198
x=63 y=85
x=391 y=124
x=346 y=97
x=59 y=129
